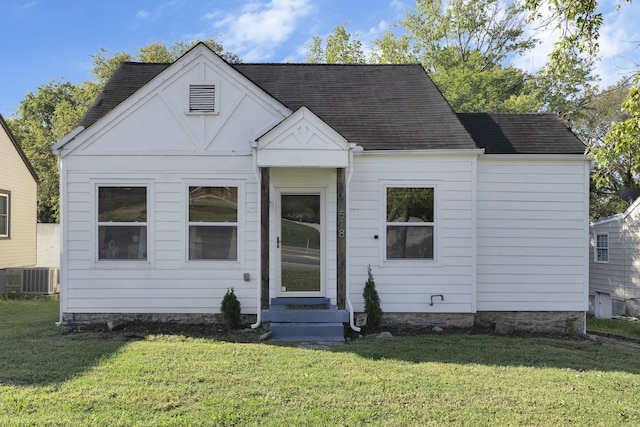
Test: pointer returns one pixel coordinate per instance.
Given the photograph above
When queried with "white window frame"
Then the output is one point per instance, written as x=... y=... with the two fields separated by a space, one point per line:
x=596 y=254
x=216 y=98
x=240 y=232
x=123 y=263
x=410 y=262
x=7 y=217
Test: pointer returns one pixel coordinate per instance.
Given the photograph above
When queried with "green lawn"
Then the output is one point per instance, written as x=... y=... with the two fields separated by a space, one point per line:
x=622 y=327
x=127 y=379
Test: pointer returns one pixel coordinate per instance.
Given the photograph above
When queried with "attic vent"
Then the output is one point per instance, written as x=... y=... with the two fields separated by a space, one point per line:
x=202 y=98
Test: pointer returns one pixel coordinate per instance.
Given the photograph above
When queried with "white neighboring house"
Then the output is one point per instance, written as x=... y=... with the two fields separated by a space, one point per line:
x=614 y=268
x=286 y=181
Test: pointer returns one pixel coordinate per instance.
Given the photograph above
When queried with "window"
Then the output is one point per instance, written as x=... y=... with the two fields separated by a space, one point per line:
x=202 y=98
x=4 y=214
x=213 y=223
x=602 y=248
x=122 y=223
x=410 y=223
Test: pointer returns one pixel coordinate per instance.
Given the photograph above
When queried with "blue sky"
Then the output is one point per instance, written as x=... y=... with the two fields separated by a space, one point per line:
x=48 y=40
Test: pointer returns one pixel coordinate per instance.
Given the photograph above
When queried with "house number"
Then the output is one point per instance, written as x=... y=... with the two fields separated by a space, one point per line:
x=341 y=217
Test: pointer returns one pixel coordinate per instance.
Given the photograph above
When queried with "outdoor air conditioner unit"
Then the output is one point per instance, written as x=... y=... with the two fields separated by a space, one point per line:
x=40 y=281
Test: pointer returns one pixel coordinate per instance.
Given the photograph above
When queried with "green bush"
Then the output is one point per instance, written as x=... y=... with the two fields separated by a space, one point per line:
x=372 y=302
x=231 y=309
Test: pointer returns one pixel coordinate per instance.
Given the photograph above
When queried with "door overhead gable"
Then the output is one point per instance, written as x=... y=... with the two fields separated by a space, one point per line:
x=302 y=140
x=157 y=118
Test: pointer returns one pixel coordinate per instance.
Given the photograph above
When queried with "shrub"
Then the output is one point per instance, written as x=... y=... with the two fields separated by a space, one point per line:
x=230 y=309
x=372 y=301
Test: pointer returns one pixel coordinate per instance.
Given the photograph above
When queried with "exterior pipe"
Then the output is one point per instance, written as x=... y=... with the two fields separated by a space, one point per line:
x=259 y=248
x=347 y=216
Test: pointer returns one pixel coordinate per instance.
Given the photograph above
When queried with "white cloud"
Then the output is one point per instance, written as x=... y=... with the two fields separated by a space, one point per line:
x=259 y=27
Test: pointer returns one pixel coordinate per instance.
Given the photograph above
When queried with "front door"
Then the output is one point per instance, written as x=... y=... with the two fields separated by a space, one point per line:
x=300 y=243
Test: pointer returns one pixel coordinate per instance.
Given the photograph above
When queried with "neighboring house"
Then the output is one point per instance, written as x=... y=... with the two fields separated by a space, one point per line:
x=614 y=268
x=18 y=206
x=286 y=181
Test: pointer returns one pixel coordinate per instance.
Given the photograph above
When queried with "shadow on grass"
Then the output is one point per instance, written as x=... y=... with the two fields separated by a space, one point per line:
x=51 y=358
x=574 y=353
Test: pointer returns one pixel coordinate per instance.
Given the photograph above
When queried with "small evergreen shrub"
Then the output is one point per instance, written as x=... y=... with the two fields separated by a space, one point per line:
x=230 y=309
x=372 y=302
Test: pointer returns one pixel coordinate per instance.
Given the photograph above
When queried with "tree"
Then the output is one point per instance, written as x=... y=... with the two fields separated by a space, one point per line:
x=464 y=45
x=372 y=301
x=56 y=108
x=42 y=118
x=339 y=48
x=592 y=126
x=618 y=159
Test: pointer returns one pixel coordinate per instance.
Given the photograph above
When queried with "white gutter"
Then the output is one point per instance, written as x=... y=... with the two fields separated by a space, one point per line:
x=259 y=248
x=347 y=216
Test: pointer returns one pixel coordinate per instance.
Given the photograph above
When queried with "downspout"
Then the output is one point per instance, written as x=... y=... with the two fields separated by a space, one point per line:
x=259 y=248
x=348 y=215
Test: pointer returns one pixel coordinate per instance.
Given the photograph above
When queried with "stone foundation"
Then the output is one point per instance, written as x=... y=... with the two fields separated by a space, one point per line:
x=175 y=318
x=503 y=322
x=423 y=321
x=537 y=322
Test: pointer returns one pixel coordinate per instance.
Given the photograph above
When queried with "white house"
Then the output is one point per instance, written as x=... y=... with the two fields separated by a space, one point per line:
x=614 y=280
x=286 y=181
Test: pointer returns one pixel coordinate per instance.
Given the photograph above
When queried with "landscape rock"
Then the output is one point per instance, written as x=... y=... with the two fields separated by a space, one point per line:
x=265 y=336
x=385 y=334
x=437 y=329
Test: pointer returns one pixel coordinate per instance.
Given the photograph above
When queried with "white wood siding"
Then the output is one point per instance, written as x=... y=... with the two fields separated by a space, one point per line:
x=407 y=285
x=532 y=234
x=168 y=282
x=620 y=276
x=19 y=250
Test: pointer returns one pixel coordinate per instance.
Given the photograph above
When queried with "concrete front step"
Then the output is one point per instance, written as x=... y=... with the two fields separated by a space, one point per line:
x=307 y=331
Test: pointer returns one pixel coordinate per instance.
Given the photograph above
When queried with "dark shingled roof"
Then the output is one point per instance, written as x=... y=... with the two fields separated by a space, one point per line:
x=510 y=133
x=128 y=78
x=379 y=107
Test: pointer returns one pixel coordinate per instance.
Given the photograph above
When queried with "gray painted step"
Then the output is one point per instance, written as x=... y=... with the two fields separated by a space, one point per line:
x=305 y=319
x=307 y=332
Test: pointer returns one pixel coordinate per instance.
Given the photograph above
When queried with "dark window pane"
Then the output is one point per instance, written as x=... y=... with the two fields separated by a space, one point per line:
x=4 y=215
x=122 y=204
x=126 y=242
x=213 y=242
x=409 y=242
x=410 y=205
x=213 y=204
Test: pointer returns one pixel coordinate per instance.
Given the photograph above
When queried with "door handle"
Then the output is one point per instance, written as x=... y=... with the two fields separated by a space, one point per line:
x=278 y=242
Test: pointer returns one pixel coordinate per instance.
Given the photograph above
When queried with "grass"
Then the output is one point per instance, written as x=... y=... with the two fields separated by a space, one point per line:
x=621 y=327
x=126 y=379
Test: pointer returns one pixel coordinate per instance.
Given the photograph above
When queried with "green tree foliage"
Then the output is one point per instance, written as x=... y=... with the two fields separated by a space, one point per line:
x=56 y=108
x=464 y=45
x=372 y=301
x=230 y=309
x=339 y=48
x=42 y=118
x=612 y=172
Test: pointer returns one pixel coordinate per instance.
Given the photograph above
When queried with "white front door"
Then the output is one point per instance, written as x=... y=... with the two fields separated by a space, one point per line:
x=300 y=242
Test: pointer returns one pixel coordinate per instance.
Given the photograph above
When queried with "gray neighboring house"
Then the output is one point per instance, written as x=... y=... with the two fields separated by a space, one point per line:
x=614 y=264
